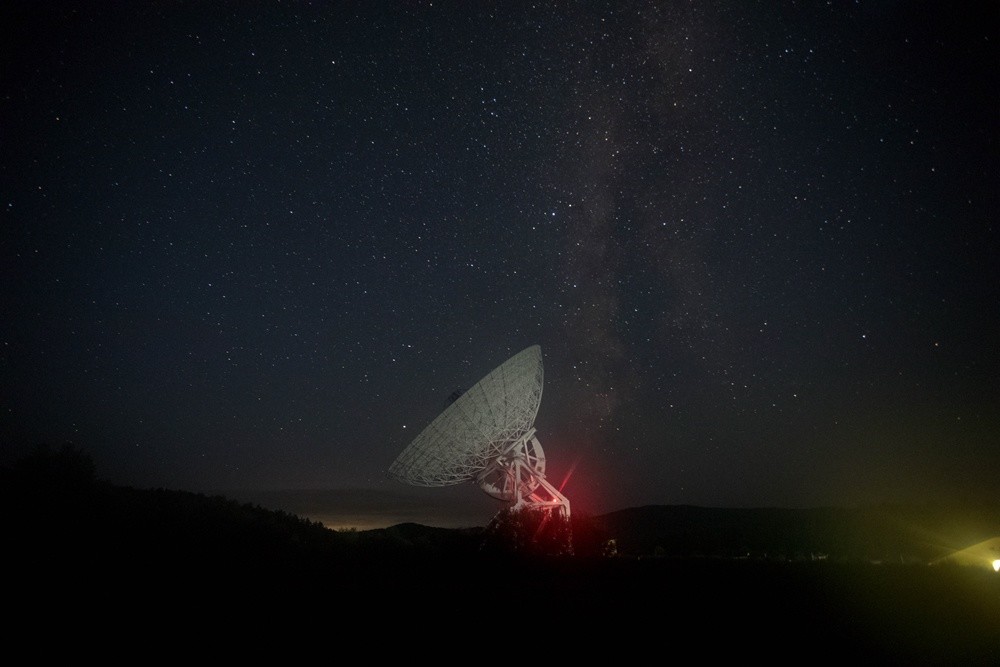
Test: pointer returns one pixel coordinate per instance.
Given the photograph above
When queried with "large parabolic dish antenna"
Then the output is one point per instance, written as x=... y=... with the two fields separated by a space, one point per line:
x=487 y=435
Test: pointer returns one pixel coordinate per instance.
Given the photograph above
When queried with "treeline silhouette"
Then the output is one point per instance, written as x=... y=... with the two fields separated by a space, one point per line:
x=78 y=532
x=71 y=530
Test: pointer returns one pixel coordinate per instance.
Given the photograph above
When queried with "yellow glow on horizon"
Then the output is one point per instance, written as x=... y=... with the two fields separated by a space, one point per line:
x=996 y=565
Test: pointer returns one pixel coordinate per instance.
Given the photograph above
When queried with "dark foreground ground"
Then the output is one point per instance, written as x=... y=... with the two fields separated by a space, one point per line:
x=94 y=571
x=706 y=611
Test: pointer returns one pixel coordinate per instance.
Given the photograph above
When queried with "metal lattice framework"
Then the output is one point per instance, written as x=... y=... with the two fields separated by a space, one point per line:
x=487 y=436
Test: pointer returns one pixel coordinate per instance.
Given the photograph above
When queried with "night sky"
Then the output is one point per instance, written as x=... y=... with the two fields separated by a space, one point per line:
x=257 y=245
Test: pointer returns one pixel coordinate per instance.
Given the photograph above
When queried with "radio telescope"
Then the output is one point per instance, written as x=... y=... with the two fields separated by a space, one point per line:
x=487 y=436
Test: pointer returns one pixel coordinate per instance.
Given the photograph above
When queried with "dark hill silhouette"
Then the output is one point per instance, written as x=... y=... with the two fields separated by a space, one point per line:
x=76 y=544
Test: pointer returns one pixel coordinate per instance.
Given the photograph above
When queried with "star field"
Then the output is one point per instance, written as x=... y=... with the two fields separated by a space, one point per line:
x=258 y=246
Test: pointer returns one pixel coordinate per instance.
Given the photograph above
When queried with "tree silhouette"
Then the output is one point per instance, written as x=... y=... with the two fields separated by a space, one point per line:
x=529 y=532
x=64 y=468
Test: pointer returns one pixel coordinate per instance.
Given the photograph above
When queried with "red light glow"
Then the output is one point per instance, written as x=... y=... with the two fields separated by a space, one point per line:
x=569 y=474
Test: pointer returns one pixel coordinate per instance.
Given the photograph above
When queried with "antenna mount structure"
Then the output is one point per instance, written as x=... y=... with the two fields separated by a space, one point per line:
x=487 y=435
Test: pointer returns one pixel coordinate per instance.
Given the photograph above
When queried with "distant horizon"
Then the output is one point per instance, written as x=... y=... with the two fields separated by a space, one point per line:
x=461 y=505
x=457 y=507
x=370 y=509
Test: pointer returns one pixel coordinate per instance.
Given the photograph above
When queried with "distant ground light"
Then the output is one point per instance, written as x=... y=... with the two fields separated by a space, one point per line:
x=977 y=555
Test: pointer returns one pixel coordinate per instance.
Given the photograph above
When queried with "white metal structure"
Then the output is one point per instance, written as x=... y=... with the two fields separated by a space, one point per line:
x=487 y=436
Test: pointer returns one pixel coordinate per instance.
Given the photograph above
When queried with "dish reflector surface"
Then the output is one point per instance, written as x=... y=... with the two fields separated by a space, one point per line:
x=478 y=427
